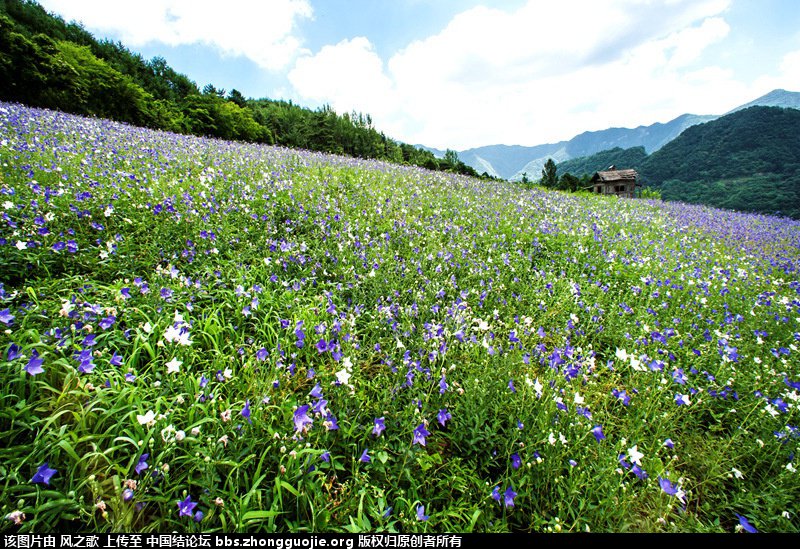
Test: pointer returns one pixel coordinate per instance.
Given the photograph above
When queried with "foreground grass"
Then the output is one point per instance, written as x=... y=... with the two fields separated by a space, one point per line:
x=208 y=336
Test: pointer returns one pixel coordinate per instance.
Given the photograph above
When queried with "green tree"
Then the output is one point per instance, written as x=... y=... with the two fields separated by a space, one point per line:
x=549 y=174
x=649 y=192
x=96 y=88
x=451 y=158
x=209 y=89
x=237 y=97
x=568 y=182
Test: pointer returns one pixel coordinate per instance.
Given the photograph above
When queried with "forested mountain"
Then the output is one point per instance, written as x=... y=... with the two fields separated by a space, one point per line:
x=587 y=165
x=46 y=62
x=757 y=140
x=748 y=160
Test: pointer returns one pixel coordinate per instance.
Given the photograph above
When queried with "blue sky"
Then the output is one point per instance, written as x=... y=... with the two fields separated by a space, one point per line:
x=465 y=73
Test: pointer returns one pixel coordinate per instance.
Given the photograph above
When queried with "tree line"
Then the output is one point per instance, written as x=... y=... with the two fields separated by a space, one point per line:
x=48 y=63
x=551 y=180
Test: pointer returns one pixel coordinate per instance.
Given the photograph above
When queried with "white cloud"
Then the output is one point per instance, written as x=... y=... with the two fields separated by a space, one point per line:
x=544 y=72
x=689 y=43
x=787 y=78
x=541 y=73
x=349 y=76
x=258 y=29
x=790 y=71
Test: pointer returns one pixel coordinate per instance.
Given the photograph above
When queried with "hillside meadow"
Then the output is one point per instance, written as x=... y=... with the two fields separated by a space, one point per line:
x=200 y=335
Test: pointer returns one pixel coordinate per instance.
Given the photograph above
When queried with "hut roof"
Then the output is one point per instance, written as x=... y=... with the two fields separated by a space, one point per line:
x=615 y=175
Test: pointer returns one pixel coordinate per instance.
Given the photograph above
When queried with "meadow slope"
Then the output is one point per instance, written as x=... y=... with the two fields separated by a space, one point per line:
x=202 y=335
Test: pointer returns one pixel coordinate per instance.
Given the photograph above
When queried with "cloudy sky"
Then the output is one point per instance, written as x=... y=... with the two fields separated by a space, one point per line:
x=465 y=73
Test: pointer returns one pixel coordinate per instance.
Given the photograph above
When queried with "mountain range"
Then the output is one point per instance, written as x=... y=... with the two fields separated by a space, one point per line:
x=512 y=161
x=747 y=160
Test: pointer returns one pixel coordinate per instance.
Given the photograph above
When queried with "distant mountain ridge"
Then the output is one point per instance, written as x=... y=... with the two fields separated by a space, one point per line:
x=512 y=161
x=775 y=98
x=748 y=160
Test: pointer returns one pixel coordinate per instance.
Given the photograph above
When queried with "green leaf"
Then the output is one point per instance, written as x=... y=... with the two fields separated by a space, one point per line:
x=289 y=487
x=255 y=516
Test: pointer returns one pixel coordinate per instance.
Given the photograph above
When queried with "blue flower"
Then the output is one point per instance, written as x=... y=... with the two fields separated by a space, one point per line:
x=745 y=525
x=791 y=384
x=380 y=426
x=597 y=431
x=780 y=405
x=682 y=400
x=419 y=434
x=86 y=365
x=142 y=464
x=301 y=419
x=6 y=317
x=325 y=456
x=319 y=406
x=443 y=416
x=331 y=424
x=186 y=507
x=667 y=486
x=508 y=497
x=638 y=471
x=516 y=461
x=365 y=457
x=316 y=392
x=262 y=354
x=621 y=395
x=421 y=513
x=14 y=352
x=246 y=411
x=496 y=493
x=44 y=474
x=34 y=365
x=108 y=322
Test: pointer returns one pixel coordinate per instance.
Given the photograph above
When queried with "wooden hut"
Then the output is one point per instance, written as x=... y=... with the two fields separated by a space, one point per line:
x=613 y=181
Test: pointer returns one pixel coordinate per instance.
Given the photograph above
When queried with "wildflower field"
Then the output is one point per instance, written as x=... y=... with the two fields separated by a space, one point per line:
x=200 y=335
